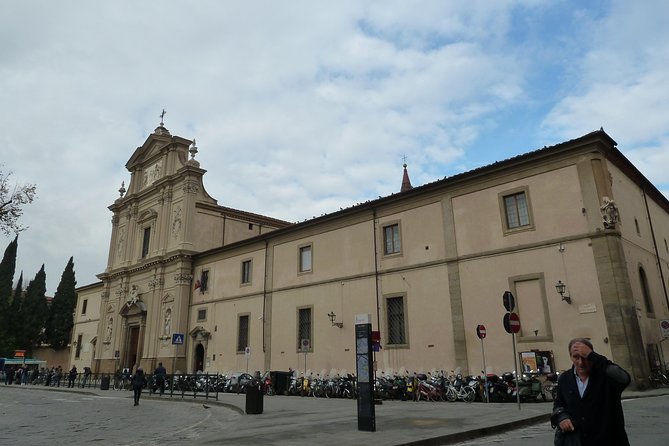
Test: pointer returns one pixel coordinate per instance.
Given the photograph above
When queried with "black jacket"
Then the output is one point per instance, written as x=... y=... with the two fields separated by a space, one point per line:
x=138 y=380
x=598 y=416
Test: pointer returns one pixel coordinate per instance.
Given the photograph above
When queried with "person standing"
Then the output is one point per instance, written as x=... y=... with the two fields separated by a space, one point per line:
x=588 y=404
x=138 y=381
x=72 y=376
x=160 y=374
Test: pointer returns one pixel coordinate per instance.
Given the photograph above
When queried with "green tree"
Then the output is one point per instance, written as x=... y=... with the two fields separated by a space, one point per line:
x=7 y=269
x=34 y=312
x=15 y=322
x=60 y=321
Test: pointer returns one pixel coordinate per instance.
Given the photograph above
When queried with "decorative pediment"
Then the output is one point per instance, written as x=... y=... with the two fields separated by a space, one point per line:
x=155 y=146
x=199 y=334
x=132 y=308
x=149 y=214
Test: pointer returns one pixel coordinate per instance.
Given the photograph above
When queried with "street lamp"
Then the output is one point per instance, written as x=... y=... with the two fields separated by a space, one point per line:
x=332 y=317
x=562 y=291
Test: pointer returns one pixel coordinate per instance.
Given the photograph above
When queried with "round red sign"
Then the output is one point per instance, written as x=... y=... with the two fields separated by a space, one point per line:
x=480 y=331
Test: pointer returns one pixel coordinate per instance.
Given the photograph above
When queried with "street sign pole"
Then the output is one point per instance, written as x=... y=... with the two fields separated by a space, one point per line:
x=481 y=333
x=177 y=340
x=485 y=375
x=511 y=323
x=515 y=367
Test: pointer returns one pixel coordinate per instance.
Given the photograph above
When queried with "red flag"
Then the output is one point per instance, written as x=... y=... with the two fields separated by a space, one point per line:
x=197 y=284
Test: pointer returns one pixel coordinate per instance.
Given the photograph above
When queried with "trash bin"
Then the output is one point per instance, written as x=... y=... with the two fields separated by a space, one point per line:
x=253 y=400
x=104 y=383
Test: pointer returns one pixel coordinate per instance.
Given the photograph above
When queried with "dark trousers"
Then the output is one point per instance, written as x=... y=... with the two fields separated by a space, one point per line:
x=138 y=392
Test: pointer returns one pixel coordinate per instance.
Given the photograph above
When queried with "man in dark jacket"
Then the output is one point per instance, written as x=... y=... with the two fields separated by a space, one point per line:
x=160 y=374
x=138 y=382
x=588 y=398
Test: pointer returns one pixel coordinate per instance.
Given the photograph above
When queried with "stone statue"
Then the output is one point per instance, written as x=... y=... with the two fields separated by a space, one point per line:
x=133 y=297
x=609 y=213
x=108 y=336
x=168 y=321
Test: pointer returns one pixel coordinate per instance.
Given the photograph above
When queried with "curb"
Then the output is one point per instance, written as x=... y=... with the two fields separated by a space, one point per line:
x=479 y=432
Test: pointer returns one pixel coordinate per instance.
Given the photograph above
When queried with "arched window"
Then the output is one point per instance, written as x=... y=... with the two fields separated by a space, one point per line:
x=645 y=290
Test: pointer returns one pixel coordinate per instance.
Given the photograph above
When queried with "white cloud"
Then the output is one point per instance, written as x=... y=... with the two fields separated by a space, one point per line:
x=298 y=108
x=622 y=85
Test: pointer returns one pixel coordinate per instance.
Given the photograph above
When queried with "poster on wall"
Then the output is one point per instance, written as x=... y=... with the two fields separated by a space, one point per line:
x=536 y=361
x=528 y=360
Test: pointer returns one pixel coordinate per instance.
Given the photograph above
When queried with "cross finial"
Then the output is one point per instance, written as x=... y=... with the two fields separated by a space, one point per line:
x=162 y=116
x=404 y=158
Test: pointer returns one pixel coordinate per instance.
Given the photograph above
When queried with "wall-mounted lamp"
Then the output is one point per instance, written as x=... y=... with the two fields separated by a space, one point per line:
x=562 y=291
x=332 y=317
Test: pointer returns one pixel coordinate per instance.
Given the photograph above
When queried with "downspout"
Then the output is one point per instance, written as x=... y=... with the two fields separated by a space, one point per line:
x=264 y=295
x=657 y=253
x=376 y=271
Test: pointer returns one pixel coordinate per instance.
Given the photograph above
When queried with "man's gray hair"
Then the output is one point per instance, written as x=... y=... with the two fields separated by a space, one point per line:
x=582 y=341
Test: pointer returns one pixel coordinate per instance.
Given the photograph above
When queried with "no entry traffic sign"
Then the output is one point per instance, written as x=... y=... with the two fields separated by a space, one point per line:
x=511 y=323
x=480 y=331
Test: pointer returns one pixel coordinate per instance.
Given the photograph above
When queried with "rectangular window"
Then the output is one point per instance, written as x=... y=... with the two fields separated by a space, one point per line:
x=243 y=333
x=396 y=322
x=304 y=330
x=77 y=352
x=391 y=239
x=84 y=305
x=305 y=258
x=202 y=315
x=517 y=212
x=145 y=242
x=246 y=271
x=203 y=283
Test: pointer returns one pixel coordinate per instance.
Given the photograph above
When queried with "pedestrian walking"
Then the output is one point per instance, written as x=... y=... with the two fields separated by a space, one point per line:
x=587 y=410
x=87 y=375
x=160 y=374
x=138 y=382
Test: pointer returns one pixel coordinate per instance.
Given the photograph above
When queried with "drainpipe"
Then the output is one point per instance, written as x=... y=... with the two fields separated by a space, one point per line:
x=657 y=253
x=376 y=272
x=264 y=295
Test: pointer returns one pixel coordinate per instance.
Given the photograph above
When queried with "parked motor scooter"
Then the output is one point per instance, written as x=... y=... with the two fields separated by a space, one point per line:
x=530 y=388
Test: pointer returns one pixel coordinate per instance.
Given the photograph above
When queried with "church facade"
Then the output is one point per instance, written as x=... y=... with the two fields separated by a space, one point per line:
x=429 y=264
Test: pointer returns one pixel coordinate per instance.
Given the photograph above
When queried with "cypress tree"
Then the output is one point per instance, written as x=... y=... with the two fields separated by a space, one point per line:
x=35 y=312
x=15 y=323
x=60 y=322
x=7 y=268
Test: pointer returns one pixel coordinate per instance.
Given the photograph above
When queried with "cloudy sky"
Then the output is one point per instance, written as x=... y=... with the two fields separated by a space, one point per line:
x=302 y=107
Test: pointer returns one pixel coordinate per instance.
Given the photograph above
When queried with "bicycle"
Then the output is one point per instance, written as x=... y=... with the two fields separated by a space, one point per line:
x=657 y=379
x=121 y=382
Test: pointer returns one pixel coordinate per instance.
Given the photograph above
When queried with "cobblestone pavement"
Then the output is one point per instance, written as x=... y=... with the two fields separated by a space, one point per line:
x=36 y=415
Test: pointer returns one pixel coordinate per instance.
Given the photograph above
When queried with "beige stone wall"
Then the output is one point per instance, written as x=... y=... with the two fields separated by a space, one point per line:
x=456 y=260
x=86 y=324
x=640 y=251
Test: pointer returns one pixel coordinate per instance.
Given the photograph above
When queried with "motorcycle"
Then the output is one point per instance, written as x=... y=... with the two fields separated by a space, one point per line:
x=530 y=388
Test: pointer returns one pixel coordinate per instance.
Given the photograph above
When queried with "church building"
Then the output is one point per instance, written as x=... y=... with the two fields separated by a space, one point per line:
x=573 y=231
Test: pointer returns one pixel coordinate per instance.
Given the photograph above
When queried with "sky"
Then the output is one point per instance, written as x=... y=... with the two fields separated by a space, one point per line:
x=300 y=108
